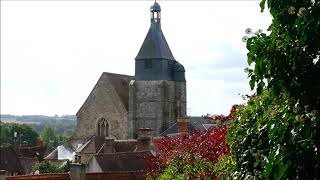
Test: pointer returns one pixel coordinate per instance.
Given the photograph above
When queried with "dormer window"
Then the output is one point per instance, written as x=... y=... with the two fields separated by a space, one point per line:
x=148 y=64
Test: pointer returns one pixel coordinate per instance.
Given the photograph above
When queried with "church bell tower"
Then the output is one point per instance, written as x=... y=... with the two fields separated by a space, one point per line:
x=157 y=96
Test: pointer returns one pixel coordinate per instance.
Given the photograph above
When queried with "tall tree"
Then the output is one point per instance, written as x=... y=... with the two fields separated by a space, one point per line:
x=288 y=58
x=48 y=135
x=276 y=135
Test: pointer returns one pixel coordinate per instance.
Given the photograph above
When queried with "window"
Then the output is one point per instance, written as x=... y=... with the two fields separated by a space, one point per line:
x=148 y=64
x=102 y=127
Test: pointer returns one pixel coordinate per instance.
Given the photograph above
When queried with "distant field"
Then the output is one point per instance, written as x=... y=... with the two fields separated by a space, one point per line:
x=34 y=118
x=60 y=124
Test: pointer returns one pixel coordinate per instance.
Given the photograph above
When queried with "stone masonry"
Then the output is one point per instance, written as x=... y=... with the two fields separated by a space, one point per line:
x=156 y=104
x=107 y=100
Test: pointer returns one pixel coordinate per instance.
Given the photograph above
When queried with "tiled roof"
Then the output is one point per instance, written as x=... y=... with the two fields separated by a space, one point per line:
x=117 y=175
x=125 y=145
x=48 y=176
x=129 y=161
x=70 y=145
x=31 y=152
x=53 y=154
x=9 y=160
x=92 y=146
x=120 y=82
x=196 y=125
x=110 y=175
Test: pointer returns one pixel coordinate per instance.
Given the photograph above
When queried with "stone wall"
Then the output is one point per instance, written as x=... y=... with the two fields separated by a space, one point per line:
x=153 y=104
x=181 y=97
x=103 y=102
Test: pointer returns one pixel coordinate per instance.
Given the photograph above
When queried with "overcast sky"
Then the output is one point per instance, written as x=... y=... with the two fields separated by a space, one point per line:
x=53 y=52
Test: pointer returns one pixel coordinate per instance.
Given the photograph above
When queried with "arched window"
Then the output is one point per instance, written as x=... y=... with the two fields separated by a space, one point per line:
x=102 y=127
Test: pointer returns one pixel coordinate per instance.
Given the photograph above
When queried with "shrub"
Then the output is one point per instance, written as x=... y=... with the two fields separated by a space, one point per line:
x=188 y=155
x=46 y=167
x=187 y=166
x=275 y=139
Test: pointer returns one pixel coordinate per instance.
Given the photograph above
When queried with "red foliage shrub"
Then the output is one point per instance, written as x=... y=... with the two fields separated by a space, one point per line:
x=233 y=111
x=223 y=118
x=209 y=145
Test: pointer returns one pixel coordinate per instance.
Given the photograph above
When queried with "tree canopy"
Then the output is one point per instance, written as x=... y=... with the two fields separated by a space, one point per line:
x=287 y=59
x=48 y=134
x=14 y=134
x=276 y=134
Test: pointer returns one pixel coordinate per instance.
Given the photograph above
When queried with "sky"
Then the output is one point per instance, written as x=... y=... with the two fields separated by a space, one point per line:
x=53 y=52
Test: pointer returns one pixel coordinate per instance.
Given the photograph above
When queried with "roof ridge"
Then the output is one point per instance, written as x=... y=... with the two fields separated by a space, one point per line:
x=123 y=153
x=117 y=74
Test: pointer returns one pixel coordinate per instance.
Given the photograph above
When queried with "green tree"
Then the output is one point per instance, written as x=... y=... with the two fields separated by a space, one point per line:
x=275 y=138
x=48 y=135
x=287 y=60
x=12 y=133
x=61 y=127
x=276 y=135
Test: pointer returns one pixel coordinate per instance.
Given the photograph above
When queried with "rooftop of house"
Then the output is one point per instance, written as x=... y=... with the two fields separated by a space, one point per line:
x=196 y=124
x=125 y=161
x=94 y=144
x=31 y=152
x=9 y=159
x=12 y=160
x=89 y=176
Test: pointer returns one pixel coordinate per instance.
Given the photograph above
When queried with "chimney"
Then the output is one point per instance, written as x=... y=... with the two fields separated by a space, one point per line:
x=77 y=158
x=77 y=171
x=144 y=139
x=3 y=174
x=183 y=125
x=108 y=145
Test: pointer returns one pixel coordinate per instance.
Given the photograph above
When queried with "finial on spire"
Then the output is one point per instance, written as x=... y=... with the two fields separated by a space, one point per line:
x=155 y=7
x=155 y=10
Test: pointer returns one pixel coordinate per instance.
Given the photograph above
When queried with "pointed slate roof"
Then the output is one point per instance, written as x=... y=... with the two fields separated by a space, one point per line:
x=155 y=45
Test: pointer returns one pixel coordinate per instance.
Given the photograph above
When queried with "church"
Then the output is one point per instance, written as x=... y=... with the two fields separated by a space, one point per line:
x=119 y=105
x=124 y=116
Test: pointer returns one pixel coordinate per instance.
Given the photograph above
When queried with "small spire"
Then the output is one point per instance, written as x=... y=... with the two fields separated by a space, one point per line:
x=155 y=45
x=155 y=7
x=155 y=11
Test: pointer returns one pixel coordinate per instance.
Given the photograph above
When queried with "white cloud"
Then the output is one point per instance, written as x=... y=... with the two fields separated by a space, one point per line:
x=52 y=53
